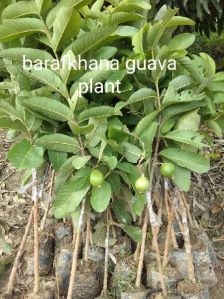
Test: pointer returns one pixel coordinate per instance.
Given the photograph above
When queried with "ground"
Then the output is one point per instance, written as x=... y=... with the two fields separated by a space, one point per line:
x=206 y=197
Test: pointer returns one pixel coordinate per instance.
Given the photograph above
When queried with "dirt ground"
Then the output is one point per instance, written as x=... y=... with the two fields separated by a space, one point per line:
x=14 y=211
x=206 y=198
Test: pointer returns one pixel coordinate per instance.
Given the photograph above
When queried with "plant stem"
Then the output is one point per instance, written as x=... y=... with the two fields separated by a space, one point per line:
x=76 y=252
x=168 y=237
x=106 y=261
x=49 y=203
x=159 y=216
x=187 y=209
x=19 y=254
x=156 y=246
x=178 y=219
x=154 y=226
x=36 y=233
x=142 y=250
x=166 y=195
x=88 y=229
x=112 y=226
x=187 y=245
x=136 y=254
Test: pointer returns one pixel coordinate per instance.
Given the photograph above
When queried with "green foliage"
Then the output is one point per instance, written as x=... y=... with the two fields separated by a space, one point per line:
x=100 y=197
x=25 y=156
x=208 y=14
x=214 y=46
x=116 y=133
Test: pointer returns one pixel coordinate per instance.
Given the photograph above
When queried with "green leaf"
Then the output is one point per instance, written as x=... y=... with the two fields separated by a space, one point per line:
x=68 y=199
x=182 y=178
x=8 y=110
x=24 y=155
x=125 y=31
x=156 y=30
x=59 y=142
x=105 y=53
x=99 y=111
x=187 y=137
x=148 y=137
x=115 y=183
x=219 y=77
x=100 y=197
x=19 y=9
x=137 y=42
x=180 y=82
x=180 y=21
x=122 y=17
x=81 y=178
x=33 y=123
x=98 y=132
x=170 y=97
x=189 y=160
x=91 y=77
x=50 y=108
x=90 y=40
x=51 y=79
x=219 y=98
x=66 y=26
x=129 y=5
x=209 y=64
x=214 y=126
x=181 y=41
x=176 y=109
x=77 y=130
x=139 y=203
x=168 y=125
x=66 y=70
x=79 y=162
x=217 y=86
x=117 y=134
x=131 y=152
x=111 y=161
x=144 y=123
x=189 y=121
x=16 y=28
x=134 y=232
x=119 y=208
x=76 y=4
x=64 y=172
x=143 y=94
x=28 y=53
x=191 y=67
x=7 y=123
x=132 y=173
x=70 y=195
x=57 y=159
x=114 y=77
x=97 y=5
x=43 y=5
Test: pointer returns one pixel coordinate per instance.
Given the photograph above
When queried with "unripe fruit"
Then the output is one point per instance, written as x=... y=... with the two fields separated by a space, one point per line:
x=167 y=170
x=96 y=178
x=142 y=184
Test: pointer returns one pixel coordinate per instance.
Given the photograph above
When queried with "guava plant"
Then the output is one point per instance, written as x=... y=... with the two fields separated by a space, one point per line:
x=106 y=148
